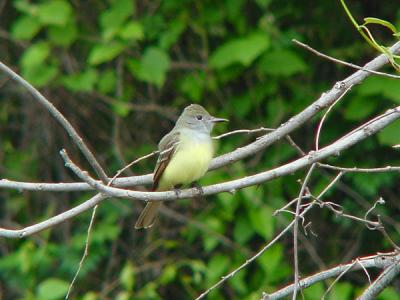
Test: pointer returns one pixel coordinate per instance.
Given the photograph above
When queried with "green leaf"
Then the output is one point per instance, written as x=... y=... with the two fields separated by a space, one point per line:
x=52 y=289
x=239 y=282
x=242 y=50
x=263 y=3
x=153 y=66
x=25 y=7
x=372 y=85
x=101 y=53
x=242 y=104
x=283 y=63
x=341 y=290
x=54 y=12
x=81 y=82
x=173 y=33
x=25 y=28
x=384 y=23
x=33 y=65
x=40 y=75
x=107 y=82
x=127 y=276
x=63 y=35
x=35 y=55
x=216 y=267
x=168 y=274
x=273 y=264
x=192 y=85
x=263 y=221
x=390 y=135
x=242 y=230
x=359 y=108
x=121 y=109
x=392 y=90
x=112 y=19
x=389 y=293
x=210 y=241
x=315 y=291
x=132 y=31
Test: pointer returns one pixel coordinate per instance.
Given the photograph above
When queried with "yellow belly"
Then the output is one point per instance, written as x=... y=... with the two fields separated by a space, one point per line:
x=189 y=163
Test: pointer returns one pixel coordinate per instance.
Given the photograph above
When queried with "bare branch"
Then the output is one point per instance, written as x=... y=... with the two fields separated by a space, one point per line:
x=384 y=279
x=61 y=119
x=321 y=123
x=296 y=231
x=229 y=186
x=325 y=100
x=359 y=170
x=309 y=48
x=295 y=122
x=266 y=247
x=85 y=252
x=262 y=129
x=27 y=231
x=380 y=260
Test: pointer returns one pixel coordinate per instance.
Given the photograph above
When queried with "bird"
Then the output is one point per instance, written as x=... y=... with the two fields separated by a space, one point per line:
x=185 y=154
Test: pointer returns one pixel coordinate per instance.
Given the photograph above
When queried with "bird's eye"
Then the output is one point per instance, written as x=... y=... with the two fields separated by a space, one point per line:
x=199 y=117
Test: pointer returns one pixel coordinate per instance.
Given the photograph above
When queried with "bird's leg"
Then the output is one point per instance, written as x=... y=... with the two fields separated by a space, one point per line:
x=177 y=190
x=198 y=188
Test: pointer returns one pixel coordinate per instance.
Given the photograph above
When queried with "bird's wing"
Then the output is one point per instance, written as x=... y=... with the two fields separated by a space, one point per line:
x=167 y=148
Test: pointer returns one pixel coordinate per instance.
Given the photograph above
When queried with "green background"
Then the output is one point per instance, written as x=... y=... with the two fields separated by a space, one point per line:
x=120 y=72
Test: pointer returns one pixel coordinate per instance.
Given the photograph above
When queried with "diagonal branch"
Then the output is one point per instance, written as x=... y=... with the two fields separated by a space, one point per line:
x=325 y=100
x=356 y=136
x=384 y=279
x=381 y=260
x=61 y=119
x=335 y=148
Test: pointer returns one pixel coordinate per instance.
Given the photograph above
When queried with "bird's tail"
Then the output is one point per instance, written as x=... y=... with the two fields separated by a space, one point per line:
x=148 y=215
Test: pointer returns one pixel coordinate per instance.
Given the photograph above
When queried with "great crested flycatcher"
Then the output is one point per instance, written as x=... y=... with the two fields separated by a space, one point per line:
x=185 y=154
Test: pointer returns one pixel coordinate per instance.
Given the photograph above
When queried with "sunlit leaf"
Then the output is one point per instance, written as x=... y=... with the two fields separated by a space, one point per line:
x=25 y=28
x=56 y=12
x=242 y=50
x=153 y=66
x=101 y=53
x=52 y=289
x=282 y=62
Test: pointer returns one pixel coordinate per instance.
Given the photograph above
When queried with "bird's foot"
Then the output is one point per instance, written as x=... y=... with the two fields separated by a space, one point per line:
x=198 y=187
x=177 y=190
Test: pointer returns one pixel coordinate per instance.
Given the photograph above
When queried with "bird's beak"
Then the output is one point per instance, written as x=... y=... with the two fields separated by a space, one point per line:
x=217 y=120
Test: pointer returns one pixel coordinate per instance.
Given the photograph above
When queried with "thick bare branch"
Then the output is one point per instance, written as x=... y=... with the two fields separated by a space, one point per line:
x=335 y=148
x=309 y=48
x=380 y=260
x=384 y=279
x=295 y=122
x=27 y=231
x=229 y=186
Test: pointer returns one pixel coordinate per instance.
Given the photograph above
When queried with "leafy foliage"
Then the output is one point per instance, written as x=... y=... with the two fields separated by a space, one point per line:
x=121 y=71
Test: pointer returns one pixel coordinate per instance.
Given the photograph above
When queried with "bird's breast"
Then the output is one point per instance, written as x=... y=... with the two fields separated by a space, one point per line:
x=189 y=162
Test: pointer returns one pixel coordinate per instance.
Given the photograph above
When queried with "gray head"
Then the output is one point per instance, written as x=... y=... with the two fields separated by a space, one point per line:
x=196 y=117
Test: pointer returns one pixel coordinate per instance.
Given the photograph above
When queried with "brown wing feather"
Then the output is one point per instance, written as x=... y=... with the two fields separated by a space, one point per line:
x=170 y=141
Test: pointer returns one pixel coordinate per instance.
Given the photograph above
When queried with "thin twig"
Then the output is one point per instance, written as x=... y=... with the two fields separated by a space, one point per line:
x=382 y=281
x=360 y=170
x=261 y=129
x=85 y=253
x=229 y=186
x=266 y=247
x=296 y=231
x=321 y=123
x=309 y=48
x=380 y=260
